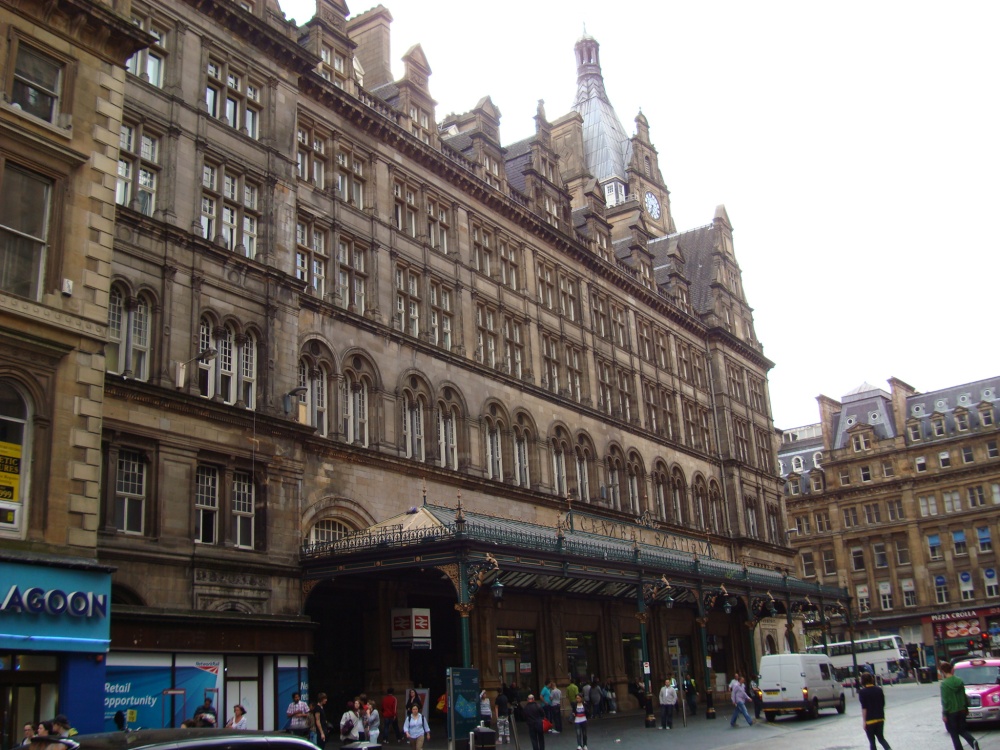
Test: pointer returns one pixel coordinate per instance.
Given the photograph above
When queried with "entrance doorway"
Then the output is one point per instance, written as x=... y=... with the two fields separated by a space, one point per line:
x=516 y=660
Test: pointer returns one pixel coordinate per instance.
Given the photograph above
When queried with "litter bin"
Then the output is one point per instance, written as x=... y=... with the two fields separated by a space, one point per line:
x=484 y=738
x=924 y=675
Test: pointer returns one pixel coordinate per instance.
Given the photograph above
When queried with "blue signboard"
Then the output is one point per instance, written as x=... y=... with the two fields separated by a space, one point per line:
x=463 y=702
x=47 y=608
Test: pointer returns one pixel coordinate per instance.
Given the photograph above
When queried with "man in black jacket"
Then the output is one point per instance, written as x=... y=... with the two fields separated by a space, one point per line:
x=534 y=714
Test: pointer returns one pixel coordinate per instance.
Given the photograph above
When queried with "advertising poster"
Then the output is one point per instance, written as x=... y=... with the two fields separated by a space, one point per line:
x=10 y=472
x=290 y=680
x=135 y=684
x=200 y=677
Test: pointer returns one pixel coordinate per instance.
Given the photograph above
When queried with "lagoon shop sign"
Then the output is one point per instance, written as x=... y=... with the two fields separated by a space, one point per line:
x=38 y=601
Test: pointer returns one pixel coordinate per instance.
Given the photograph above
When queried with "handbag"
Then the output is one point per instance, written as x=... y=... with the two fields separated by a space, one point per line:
x=347 y=726
x=546 y=725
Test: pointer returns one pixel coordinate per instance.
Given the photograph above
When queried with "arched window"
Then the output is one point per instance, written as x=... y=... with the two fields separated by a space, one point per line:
x=700 y=504
x=750 y=504
x=448 y=421
x=636 y=480
x=354 y=408
x=648 y=166
x=522 y=465
x=797 y=463
x=226 y=344
x=328 y=530
x=616 y=470
x=559 y=470
x=677 y=492
x=413 y=426
x=584 y=453
x=716 y=509
x=248 y=371
x=127 y=352
x=660 y=484
x=494 y=449
x=15 y=434
x=818 y=459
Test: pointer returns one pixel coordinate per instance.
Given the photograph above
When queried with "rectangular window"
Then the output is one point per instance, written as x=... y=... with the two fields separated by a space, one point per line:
x=866 y=473
x=437 y=230
x=944 y=458
x=928 y=506
x=845 y=477
x=130 y=492
x=895 y=507
x=977 y=498
x=38 y=83
x=920 y=463
x=985 y=537
x=513 y=340
x=148 y=64
x=879 y=555
x=873 y=514
x=352 y=275
x=902 y=552
x=991 y=449
x=850 y=517
x=25 y=205
x=232 y=98
x=510 y=265
x=913 y=431
x=941 y=593
x=885 y=598
x=934 y=546
x=822 y=519
x=138 y=154
x=546 y=285
x=808 y=565
x=487 y=336
x=599 y=315
x=909 y=592
x=952 y=501
x=888 y=470
x=861 y=442
x=206 y=505
x=958 y=539
x=408 y=287
x=857 y=559
x=967 y=456
x=574 y=371
x=829 y=562
x=550 y=359
x=482 y=250
x=440 y=320
x=243 y=510
x=802 y=525
x=568 y=297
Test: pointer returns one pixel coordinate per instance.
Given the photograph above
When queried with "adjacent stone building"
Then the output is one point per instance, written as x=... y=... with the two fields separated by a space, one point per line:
x=894 y=495
x=62 y=85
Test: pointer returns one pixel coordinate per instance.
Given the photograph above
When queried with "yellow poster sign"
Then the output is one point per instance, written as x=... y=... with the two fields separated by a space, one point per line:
x=10 y=472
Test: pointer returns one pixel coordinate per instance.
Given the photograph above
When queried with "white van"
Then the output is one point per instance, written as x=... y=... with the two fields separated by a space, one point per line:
x=799 y=683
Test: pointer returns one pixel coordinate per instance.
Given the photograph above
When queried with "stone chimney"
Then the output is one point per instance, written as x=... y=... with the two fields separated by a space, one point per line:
x=370 y=31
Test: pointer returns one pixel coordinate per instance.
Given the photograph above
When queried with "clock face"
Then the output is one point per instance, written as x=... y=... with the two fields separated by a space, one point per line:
x=652 y=205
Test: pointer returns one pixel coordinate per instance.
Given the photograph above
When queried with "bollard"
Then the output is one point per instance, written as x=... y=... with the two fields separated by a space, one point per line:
x=709 y=706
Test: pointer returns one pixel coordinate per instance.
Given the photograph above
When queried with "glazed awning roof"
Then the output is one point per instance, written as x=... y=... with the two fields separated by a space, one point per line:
x=570 y=557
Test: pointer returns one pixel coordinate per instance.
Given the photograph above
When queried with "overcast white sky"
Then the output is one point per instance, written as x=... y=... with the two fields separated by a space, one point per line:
x=854 y=145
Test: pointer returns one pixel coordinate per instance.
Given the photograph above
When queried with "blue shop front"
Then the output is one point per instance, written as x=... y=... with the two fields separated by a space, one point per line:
x=55 y=630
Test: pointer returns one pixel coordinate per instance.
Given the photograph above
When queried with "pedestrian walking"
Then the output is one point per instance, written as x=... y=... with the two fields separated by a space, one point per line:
x=415 y=728
x=390 y=719
x=668 y=699
x=502 y=705
x=740 y=698
x=872 y=701
x=580 y=711
x=691 y=694
x=955 y=707
x=534 y=717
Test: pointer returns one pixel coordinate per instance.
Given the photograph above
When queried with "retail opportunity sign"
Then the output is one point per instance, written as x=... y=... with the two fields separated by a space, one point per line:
x=51 y=608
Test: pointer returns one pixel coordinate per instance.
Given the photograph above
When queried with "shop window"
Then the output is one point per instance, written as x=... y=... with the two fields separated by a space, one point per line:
x=15 y=434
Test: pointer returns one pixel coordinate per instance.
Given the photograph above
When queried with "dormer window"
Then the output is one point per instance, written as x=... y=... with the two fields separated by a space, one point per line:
x=861 y=442
x=614 y=193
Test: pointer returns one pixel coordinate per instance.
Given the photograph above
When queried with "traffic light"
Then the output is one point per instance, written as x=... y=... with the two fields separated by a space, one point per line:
x=971 y=643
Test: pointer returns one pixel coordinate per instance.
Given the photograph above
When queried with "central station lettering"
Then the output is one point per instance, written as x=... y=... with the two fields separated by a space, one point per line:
x=651 y=537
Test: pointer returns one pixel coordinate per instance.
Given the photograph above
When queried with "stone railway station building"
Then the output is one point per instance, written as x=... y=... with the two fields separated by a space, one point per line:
x=285 y=352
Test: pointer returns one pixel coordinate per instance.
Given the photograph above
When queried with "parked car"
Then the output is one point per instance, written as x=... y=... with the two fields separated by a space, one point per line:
x=799 y=683
x=192 y=739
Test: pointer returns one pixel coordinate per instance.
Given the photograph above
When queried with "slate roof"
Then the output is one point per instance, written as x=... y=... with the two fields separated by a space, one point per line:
x=697 y=246
x=971 y=397
x=607 y=148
